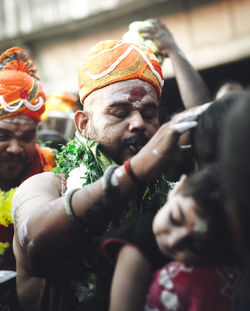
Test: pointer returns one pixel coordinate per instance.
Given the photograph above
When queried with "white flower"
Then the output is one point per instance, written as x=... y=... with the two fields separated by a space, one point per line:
x=165 y=279
x=76 y=178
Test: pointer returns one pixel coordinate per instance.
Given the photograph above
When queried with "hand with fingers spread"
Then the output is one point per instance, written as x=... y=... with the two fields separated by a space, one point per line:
x=160 y=153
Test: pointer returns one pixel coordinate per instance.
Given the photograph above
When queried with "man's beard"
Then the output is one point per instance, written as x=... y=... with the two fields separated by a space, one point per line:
x=10 y=174
x=124 y=149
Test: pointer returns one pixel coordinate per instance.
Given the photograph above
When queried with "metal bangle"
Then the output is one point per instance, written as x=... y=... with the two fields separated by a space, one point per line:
x=107 y=188
x=68 y=207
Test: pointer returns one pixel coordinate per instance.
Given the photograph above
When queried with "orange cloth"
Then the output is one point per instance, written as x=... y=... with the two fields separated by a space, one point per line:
x=112 y=61
x=44 y=161
x=18 y=81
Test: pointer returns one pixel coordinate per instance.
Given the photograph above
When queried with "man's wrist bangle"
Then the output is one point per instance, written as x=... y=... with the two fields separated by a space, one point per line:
x=108 y=192
x=68 y=207
x=128 y=169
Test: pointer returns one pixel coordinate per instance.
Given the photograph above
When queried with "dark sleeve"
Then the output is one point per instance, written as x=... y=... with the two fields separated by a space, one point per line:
x=138 y=233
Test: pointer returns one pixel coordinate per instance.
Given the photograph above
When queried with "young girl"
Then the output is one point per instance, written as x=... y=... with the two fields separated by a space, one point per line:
x=202 y=270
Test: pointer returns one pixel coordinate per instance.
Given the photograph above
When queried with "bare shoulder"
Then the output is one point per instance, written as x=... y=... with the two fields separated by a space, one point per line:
x=46 y=181
x=34 y=193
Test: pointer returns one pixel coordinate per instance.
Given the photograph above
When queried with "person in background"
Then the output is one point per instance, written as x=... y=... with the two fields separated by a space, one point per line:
x=228 y=88
x=22 y=101
x=57 y=119
x=52 y=139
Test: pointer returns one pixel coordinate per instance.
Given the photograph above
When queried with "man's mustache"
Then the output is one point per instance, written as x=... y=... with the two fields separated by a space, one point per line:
x=139 y=139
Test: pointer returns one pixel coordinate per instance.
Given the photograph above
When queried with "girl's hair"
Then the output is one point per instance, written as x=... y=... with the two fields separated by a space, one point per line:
x=205 y=137
x=234 y=156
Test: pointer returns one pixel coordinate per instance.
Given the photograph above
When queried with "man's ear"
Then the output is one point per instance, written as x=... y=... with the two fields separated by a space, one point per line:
x=81 y=120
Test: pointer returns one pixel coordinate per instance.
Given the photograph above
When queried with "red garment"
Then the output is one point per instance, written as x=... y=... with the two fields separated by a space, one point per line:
x=177 y=287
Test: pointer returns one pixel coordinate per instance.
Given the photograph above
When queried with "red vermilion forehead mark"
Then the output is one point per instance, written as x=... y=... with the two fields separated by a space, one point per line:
x=18 y=129
x=137 y=93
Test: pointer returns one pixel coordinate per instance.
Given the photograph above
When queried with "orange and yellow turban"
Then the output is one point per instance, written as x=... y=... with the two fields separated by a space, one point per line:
x=20 y=89
x=112 y=61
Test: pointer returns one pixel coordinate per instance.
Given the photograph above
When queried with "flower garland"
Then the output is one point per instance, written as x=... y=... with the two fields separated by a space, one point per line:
x=72 y=155
x=83 y=156
x=81 y=151
x=5 y=214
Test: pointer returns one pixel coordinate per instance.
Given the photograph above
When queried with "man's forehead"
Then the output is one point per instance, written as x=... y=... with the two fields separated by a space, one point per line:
x=20 y=121
x=129 y=90
x=128 y=85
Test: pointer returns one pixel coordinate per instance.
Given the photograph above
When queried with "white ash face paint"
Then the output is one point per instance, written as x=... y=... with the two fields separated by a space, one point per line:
x=23 y=231
x=19 y=125
x=137 y=105
x=18 y=120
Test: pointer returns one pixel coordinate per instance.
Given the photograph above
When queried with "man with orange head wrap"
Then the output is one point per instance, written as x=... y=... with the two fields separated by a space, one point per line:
x=21 y=105
x=110 y=173
x=22 y=102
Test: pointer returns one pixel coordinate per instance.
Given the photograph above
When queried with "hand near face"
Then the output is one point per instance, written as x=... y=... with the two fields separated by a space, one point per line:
x=159 y=154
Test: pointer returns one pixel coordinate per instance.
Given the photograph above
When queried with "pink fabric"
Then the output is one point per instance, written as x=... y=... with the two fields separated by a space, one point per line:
x=177 y=287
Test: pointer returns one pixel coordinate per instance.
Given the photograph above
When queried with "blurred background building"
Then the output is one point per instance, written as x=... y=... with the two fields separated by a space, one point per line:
x=214 y=35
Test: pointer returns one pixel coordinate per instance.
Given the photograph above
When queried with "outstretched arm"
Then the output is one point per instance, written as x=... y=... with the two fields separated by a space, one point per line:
x=43 y=231
x=191 y=86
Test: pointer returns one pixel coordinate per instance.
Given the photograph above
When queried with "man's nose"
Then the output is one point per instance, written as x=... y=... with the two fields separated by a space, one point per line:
x=136 y=122
x=14 y=146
